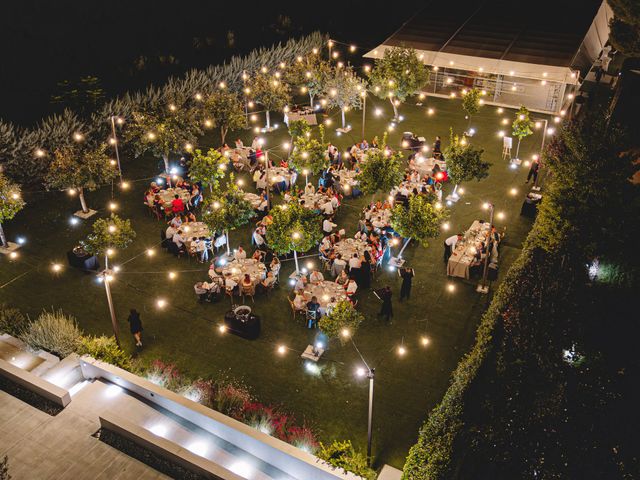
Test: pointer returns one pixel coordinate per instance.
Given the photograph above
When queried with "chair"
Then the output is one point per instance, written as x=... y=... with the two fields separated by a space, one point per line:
x=229 y=293
x=312 y=318
x=294 y=311
x=249 y=291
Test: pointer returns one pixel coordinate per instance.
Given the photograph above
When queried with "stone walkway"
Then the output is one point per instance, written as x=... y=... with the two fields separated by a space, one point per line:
x=40 y=446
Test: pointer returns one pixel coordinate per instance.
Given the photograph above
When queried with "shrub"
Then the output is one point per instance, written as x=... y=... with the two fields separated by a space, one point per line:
x=343 y=317
x=105 y=349
x=260 y=417
x=343 y=455
x=231 y=399
x=165 y=375
x=12 y=321
x=303 y=438
x=54 y=332
x=4 y=469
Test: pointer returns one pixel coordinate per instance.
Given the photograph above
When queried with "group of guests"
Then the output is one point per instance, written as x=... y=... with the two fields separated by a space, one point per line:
x=482 y=249
x=223 y=280
x=178 y=206
x=330 y=199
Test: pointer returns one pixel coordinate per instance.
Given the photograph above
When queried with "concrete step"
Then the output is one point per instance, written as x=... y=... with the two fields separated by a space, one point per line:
x=65 y=374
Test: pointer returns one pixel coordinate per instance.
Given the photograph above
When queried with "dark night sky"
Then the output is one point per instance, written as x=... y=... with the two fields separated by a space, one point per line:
x=45 y=42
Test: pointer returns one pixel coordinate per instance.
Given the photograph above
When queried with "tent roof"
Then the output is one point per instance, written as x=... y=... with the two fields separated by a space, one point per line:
x=545 y=33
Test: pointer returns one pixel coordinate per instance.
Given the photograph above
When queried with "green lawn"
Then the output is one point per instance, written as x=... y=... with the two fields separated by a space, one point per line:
x=335 y=401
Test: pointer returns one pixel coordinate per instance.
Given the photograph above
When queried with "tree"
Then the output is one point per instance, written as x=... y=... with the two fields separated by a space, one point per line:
x=343 y=317
x=81 y=167
x=309 y=74
x=522 y=126
x=163 y=131
x=224 y=110
x=208 y=168
x=422 y=219
x=343 y=89
x=397 y=75
x=382 y=171
x=464 y=161
x=271 y=93
x=226 y=211
x=298 y=128
x=625 y=27
x=11 y=202
x=294 y=229
x=309 y=153
x=471 y=102
x=109 y=234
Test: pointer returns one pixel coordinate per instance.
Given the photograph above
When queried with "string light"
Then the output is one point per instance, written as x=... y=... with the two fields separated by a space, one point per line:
x=282 y=349
x=402 y=351
x=425 y=341
x=161 y=303
x=13 y=255
x=451 y=287
x=151 y=252
x=56 y=267
x=172 y=275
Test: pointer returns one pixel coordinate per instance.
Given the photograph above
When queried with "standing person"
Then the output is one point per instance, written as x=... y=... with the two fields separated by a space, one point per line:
x=135 y=326
x=385 y=295
x=407 y=275
x=365 y=270
x=533 y=171
x=450 y=245
x=437 y=152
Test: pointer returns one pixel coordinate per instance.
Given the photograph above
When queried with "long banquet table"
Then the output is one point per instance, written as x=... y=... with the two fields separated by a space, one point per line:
x=463 y=255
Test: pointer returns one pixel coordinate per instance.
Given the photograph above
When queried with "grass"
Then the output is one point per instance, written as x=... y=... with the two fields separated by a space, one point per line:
x=335 y=400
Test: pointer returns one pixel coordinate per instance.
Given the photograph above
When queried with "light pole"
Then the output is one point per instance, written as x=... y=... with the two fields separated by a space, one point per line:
x=115 y=144
x=369 y=373
x=544 y=138
x=364 y=110
x=483 y=287
x=107 y=277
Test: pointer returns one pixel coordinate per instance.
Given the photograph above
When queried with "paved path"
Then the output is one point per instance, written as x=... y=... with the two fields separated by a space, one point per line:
x=42 y=447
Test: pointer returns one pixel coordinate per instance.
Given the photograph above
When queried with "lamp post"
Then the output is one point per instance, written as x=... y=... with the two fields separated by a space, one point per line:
x=115 y=145
x=107 y=276
x=483 y=287
x=369 y=373
x=364 y=110
x=544 y=138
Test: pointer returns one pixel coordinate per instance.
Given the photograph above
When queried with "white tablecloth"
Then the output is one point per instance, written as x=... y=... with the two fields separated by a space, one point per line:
x=410 y=186
x=424 y=166
x=349 y=246
x=324 y=291
x=347 y=178
x=463 y=255
x=314 y=201
x=167 y=195
x=278 y=174
x=379 y=218
x=238 y=269
x=306 y=115
x=253 y=199
x=194 y=230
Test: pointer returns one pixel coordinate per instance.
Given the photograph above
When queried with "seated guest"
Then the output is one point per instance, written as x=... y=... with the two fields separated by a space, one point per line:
x=301 y=283
x=229 y=283
x=342 y=278
x=258 y=239
x=330 y=306
x=313 y=312
x=267 y=283
x=201 y=249
x=177 y=205
x=338 y=265
x=212 y=271
x=240 y=254
x=328 y=225
x=239 y=143
x=179 y=240
x=299 y=301
x=316 y=277
x=176 y=221
x=355 y=262
x=247 y=284
x=352 y=287
x=309 y=189
x=275 y=266
x=327 y=208
x=170 y=232
x=258 y=255
x=190 y=218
